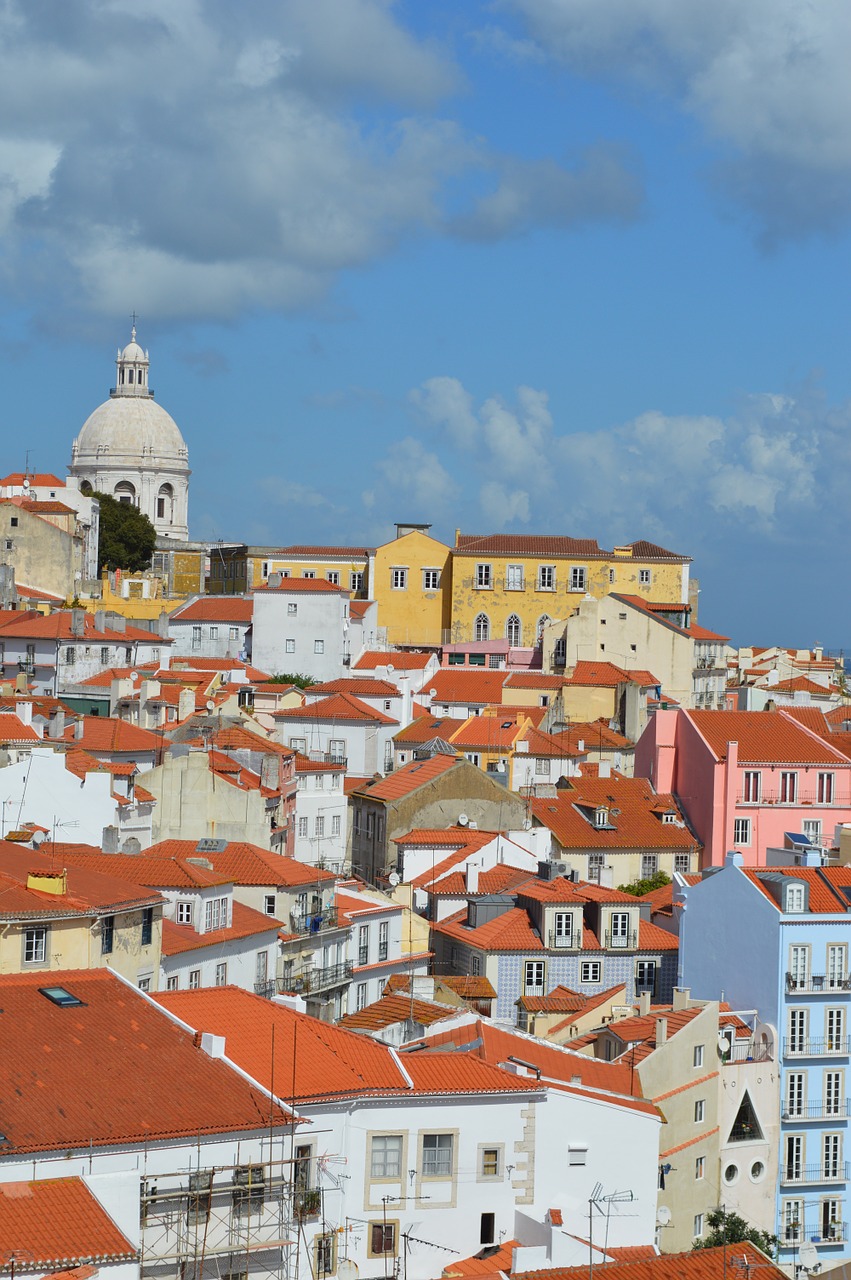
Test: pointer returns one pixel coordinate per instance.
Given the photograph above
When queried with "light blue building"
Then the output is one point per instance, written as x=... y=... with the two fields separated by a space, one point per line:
x=776 y=939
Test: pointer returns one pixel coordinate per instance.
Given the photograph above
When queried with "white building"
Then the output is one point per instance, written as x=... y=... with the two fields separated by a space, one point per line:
x=212 y=627
x=301 y=626
x=59 y=650
x=132 y=449
x=321 y=814
x=376 y=945
x=342 y=730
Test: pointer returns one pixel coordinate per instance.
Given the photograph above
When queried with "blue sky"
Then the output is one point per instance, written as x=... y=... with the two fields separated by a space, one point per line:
x=574 y=266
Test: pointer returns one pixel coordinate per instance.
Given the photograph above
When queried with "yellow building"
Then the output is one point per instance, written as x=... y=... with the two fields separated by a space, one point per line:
x=236 y=569
x=411 y=583
x=509 y=586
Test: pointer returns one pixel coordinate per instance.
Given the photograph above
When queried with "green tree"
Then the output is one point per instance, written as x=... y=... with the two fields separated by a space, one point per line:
x=127 y=538
x=300 y=682
x=639 y=887
x=729 y=1228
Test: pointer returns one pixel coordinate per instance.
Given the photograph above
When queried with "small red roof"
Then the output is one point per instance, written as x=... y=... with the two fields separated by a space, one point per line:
x=764 y=737
x=701 y=1264
x=337 y=706
x=246 y=923
x=57 y=1222
x=477 y=688
x=103 y=733
x=410 y=778
x=399 y=661
x=14 y=730
x=40 y=479
x=358 y=687
x=215 y=609
x=243 y=863
x=305 y=586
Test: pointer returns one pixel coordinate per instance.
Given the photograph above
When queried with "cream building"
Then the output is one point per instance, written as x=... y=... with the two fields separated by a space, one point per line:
x=131 y=448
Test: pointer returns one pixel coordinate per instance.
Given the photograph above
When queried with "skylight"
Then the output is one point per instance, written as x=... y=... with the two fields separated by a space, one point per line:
x=60 y=996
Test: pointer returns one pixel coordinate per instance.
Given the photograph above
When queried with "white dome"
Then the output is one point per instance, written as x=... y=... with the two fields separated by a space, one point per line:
x=132 y=428
x=133 y=352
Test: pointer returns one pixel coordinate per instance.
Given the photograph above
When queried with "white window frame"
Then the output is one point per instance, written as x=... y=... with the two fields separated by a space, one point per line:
x=399 y=578
x=484 y=577
x=546 y=577
x=431 y=579
x=742 y=832
x=438 y=1155
x=578 y=578
x=514 y=580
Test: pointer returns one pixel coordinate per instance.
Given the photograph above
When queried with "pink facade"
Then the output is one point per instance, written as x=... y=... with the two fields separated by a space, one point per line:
x=745 y=778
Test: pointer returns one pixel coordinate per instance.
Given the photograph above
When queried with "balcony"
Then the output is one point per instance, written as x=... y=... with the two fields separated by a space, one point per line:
x=621 y=941
x=817 y=983
x=328 y=757
x=746 y=1051
x=310 y=980
x=812 y=1174
x=839 y=1046
x=315 y=921
x=815 y=1233
x=307 y=1203
x=803 y=796
x=799 y=1112
x=563 y=941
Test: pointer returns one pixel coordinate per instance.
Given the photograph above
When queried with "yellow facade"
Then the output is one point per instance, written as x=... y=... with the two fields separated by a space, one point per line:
x=237 y=569
x=412 y=586
x=73 y=942
x=508 y=588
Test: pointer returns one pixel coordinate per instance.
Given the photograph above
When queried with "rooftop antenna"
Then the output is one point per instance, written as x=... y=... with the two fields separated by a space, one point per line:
x=595 y=1201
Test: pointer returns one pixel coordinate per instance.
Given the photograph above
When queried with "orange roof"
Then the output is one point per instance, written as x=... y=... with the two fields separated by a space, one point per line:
x=87 y=891
x=486 y=733
x=142 y=868
x=534 y=680
x=243 y=863
x=321 y=1061
x=103 y=679
x=447 y=837
x=570 y=815
x=512 y=931
x=246 y=923
x=391 y=1009
x=410 y=777
x=103 y=733
x=68 y=1099
x=800 y=684
x=702 y=1264
x=399 y=661
x=838 y=715
x=511 y=544
x=703 y=633
x=40 y=479
x=594 y=733
x=337 y=706
x=57 y=1223
x=14 y=730
x=425 y=728
x=304 y=586
x=57 y=626
x=826 y=885
x=497 y=1260
x=360 y=688
x=303 y=764
x=301 y=550
x=764 y=737
x=238 y=738
x=606 y=675
x=215 y=609
x=453 y=684
x=499 y=879
x=466 y=986
x=559 y=1000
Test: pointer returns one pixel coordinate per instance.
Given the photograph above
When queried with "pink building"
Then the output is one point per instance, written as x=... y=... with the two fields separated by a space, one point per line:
x=745 y=778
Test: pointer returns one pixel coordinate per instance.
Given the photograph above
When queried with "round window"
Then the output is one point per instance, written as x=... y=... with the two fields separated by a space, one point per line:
x=731 y=1173
x=757 y=1170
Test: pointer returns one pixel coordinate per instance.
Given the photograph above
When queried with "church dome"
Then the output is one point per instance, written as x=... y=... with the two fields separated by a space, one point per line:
x=132 y=427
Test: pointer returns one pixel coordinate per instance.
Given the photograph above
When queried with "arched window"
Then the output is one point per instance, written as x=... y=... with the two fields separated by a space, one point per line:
x=483 y=627
x=513 y=631
x=125 y=492
x=165 y=503
x=543 y=621
x=86 y=487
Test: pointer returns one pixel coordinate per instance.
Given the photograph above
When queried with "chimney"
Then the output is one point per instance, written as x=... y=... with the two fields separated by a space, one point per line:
x=661 y=1031
x=185 y=703
x=24 y=711
x=604 y=769
x=212 y=1045
x=472 y=879
x=162 y=628
x=682 y=997
x=116 y=622
x=55 y=882
x=56 y=724
x=79 y=728
x=100 y=620
x=78 y=622
x=109 y=840
x=643 y=1003
x=274 y=580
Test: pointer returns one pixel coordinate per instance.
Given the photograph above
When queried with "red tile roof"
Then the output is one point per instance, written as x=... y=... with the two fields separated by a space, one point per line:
x=57 y=626
x=399 y=661
x=246 y=923
x=499 y=879
x=605 y=675
x=306 y=586
x=534 y=680
x=337 y=706
x=764 y=737
x=703 y=633
x=142 y=868
x=243 y=863
x=357 y=686
x=559 y=1000
x=447 y=837
x=215 y=609
x=497 y=1260
x=512 y=931
x=57 y=1223
x=69 y=1099
x=425 y=728
x=800 y=684
x=702 y=1264
x=102 y=733
x=486 y=733
x=39 y=479
x=510 y=544
x=638 y=822
x=14 y=730
x=391 y=1009
x=88 y=890
x=404 y=781
x=302 y=551
x=466 y=986
x=471 y=687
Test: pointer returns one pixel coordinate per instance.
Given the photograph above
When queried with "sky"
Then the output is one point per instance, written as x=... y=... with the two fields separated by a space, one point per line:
x=547 y=266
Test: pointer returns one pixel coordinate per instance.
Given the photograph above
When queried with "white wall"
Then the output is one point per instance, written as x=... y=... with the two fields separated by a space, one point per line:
x=283 y=641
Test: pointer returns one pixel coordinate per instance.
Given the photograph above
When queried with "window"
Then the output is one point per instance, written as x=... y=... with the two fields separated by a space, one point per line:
x=386 y=1157
x=590 y=972
x=533 y=978
x=325 y=1254
x=383 y=939
x=514 y=577
x=596 y=862
x=563 y=933
x=682 y=862
x=35 y=946
x=14 y=522
x=834 y=1102
x=697 y=1231
x=645 y=976
x=752 y=787
x=812 y=830
x=795 y=1094
x=490 y=1162
x=797 y=1030
x=333 y=577
x=832 y=1155
x=360 y=996
x=302 y=826
x=837 y=962
x=216 y=914
x=319 y=827
x=699 y=1168
x=487 y=1228
x=437 y=1155
x=645 y=577
x=144 y=984
x=337 y=749
x=196 y=637
x=513 y=631
x=835 y=1031
x=382 y=1238
x=363 y=944
x=319 y=646
x=484 y=576
x=221 y=975
x=431 y=579
x=824 y=790
x=289 y=646
x=308 y=573
x=399 y=579
x=649 y=865
x=697 y=1056
x=742 y=831
x=249 y=1189
x=69 y=655
x=214 y=633
x=700 y=1111
x=356 y=581
x=788 y=787
x=578 y=578
x=482 y=627
x=619 y=936
x=795 y=898
x=269 y=904
x=335 y=824
x=292 y=610
x=147 y=926
x=793 y=1221
x=171 y=984
x=200 y=1195
x=233 y=633
x=194 y=979
x=546 y=577
x=107 y=933
x=104 y=656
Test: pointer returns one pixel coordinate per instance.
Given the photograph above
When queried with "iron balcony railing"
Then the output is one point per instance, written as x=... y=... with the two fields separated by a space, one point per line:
x=818 y=983
x=746 y=1051
x=815 y=1233
x=621 y=941
x=838 y=1110
x=563 y=941
x=310 y=980
x=815 y=1173
x=314 y=921
x=836 y=1046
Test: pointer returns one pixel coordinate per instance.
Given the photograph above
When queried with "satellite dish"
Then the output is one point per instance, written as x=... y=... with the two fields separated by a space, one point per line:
x=394 y=878
x=432 y=693
x=26 y=484
x=347 y=1270
x=390 y=670
x=663 y=1216
x=808 y=1256
x=210 y=704
x=463 y=820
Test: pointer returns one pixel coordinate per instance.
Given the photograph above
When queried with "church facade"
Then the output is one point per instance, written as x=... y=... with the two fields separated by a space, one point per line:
x=132 y=449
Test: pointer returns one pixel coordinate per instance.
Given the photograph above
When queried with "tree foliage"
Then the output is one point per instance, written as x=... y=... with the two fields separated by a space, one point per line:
x=639 y=887
x=729 y=1228
x=127 y=538
x=300 y=681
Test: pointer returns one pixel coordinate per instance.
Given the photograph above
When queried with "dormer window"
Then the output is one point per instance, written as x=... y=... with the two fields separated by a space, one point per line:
x=601 y=816
x=795 y=901
x=669 y=817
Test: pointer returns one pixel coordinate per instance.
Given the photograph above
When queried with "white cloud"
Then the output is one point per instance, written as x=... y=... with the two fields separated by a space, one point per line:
x=415 y=478
x=501 y=507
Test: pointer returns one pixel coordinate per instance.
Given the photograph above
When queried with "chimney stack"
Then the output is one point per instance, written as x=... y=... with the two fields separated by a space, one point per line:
x=661 y=1031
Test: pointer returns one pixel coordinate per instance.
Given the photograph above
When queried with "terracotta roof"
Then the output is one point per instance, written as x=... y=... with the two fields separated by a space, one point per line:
x=498 y=879
x=41 y=479
x=391 y=1009
x=67 y=1099
x=180 y=662
x=404 y=781
x=103 y=679
x=310 y=551
x=534 y=680
x=246 y=923
x=337 y=706
x=243 y=863
x=594 y=733
x=358 y=687
x=800 y=684
x=237 y=738
x=559 y=1000
x=426 y=728
x=701 y=1264
x=764 y=737
x=143 y=868
x=615 y=995
x=605 y=675
x=570 y=815
x=318 y=1060
x=511 y=544
x=306 y=586
x=838 y=715
x=512 y=931
x=57 y=1223
x=644 y=550
x=497 y=1260
x=703 y=633
x=486 y=733
x=358 y=608
x=88 y=891
x=399 y=661
x=826 y=885
x=466 y=986
x=215 y=609
x=57 y=626
x=14 y=730
x=446 y=837
x=454 y=684
x=558 y=745
x=103 y=733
